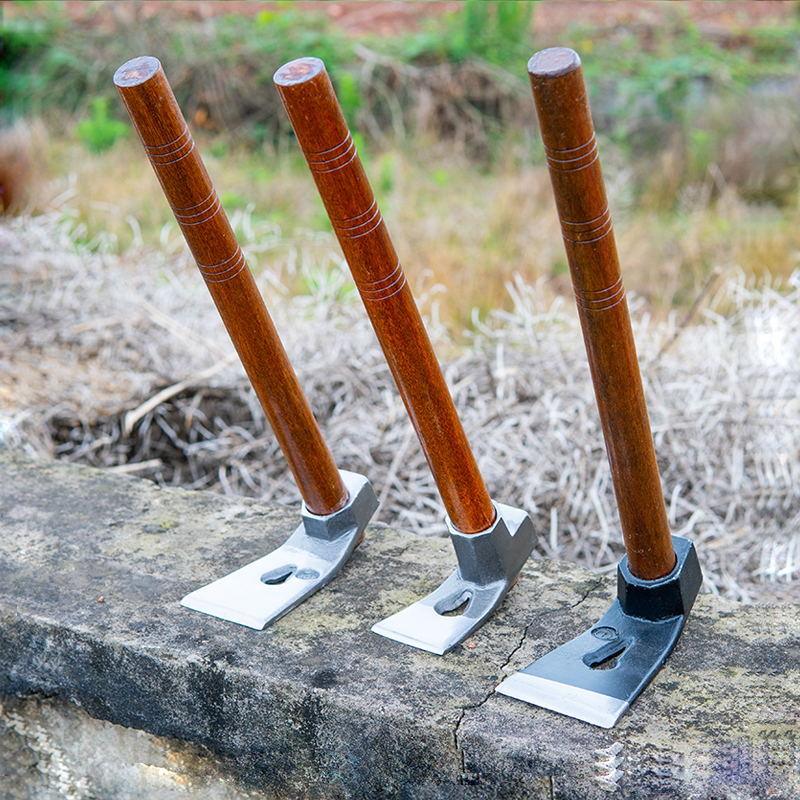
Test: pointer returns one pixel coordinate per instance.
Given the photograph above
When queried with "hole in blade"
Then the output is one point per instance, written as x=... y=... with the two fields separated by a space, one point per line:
x=279 y=575
x=455 y=605
x=606 y=657
x=608 y=663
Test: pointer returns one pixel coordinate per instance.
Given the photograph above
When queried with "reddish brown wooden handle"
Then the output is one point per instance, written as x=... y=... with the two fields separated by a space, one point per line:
x=565 y=120
x=307 y=94
x=169 y=146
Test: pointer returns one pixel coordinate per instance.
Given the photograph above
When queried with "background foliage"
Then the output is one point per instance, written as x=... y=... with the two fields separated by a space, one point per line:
x=700 y=136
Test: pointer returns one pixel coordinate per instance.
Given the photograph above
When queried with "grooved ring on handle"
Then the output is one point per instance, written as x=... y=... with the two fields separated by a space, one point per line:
x=385 y=287
x=591 y=230
x=204 y=211
x=601 y=299
x=175 y=144
x=359 y=225
x=573 y=159
x=329 y=164
x=179 y=149
x=224 y=270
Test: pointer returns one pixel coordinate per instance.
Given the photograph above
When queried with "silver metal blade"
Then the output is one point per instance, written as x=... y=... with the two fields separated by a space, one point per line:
x=488 y=565
x=418 y=625
x=264 y=590
x=422 y=625
x=592 y=707
x=242 y=596
x=597 y=675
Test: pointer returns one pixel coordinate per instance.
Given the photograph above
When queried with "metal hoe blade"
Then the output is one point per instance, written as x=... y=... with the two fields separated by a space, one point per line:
x=488 y=565
x=596 y=676
x=266 y=589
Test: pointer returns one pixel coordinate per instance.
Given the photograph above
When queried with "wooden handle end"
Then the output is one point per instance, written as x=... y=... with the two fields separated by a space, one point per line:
x=559 y=93
x=307 y=94
x=301 y=70
x=554 y=62
x=136 y=71
x=146 y=93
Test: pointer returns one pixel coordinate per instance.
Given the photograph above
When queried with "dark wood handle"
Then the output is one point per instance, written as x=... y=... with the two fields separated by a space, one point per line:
x=169 y=146
x=307 y=94
x=565 y=120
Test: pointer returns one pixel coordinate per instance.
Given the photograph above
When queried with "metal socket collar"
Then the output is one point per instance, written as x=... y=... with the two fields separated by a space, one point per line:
x=498 y=553
x=670 y=596
x=355 y=514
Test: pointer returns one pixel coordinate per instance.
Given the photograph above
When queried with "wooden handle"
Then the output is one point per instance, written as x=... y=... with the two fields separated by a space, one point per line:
x=169 y=146
x=565 y=120
x=307 y=94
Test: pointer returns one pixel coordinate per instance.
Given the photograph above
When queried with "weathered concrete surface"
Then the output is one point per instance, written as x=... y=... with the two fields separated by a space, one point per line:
x=317 y=706
x=52 y=750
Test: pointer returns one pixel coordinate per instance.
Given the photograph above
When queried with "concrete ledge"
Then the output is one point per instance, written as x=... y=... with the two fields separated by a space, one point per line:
x=317 y=706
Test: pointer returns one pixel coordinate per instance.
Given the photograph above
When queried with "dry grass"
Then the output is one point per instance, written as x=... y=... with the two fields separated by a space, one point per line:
x=454 y=224
x=88 y=337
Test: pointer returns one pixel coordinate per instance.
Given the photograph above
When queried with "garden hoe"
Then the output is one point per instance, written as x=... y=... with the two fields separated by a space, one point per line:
x=596 y=676
x=492 y=541
x=337 y=505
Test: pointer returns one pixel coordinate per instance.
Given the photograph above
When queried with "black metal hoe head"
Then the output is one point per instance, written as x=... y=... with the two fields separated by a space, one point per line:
x=597 y=675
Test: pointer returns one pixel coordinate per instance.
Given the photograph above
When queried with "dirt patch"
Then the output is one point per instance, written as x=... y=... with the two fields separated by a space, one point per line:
x=389 y=17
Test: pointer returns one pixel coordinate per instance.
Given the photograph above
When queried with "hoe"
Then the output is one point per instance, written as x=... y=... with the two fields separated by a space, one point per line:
x=492 y=541
x=337 y=505
x=597 y=675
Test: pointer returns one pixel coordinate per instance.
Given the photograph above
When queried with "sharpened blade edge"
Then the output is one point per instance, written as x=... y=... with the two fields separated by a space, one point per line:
x=404 y=638
x=572 y=701
x=227 y=613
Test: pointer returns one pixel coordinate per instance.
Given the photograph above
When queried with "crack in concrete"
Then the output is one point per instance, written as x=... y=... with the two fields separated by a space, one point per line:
x=399 y=556
x=596 y=585
x=463 y=777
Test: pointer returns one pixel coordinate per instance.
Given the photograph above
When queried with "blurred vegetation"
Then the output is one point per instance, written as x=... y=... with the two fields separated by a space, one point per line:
x=99 y=132
x=646 y=84
x=495 y=31
x=700 y=135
